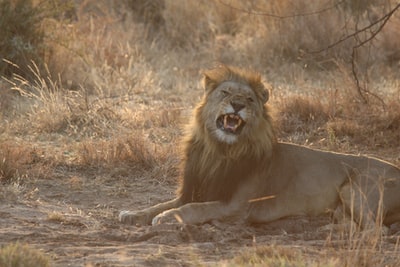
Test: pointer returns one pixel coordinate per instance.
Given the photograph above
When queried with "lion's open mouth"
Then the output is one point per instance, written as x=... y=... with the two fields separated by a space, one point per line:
x=230 y=123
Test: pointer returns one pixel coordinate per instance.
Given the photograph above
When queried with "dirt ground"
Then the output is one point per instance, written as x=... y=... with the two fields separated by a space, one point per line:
x=73 y=218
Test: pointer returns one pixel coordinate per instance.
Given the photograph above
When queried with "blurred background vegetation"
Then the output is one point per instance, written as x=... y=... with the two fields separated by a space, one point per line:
x=69 y=36
x=86 y=68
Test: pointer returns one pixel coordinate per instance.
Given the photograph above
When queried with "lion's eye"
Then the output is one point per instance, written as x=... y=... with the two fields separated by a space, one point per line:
x=250 y=99
x=224 y=93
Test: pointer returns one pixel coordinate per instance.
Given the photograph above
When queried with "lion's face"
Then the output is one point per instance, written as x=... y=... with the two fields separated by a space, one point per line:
x=232 y=111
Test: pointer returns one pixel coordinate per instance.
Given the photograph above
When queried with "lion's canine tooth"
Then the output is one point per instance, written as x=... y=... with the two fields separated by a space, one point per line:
x=225 y=121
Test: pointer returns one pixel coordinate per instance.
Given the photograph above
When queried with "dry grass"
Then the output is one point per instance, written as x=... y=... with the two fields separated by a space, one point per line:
x=302 y=117
x=115 y=88
x=16 y=160
x=10 y=166
x=130 y=150
x=17 y=255
x=283 y=256
x=56 y=217
x=338 y=123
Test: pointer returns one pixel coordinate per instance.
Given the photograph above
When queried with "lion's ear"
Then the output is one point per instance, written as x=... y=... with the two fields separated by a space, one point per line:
x=264 y=95
x=208 y=83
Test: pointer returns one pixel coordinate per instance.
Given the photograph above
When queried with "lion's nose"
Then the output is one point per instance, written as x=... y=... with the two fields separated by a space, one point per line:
x=237 y=106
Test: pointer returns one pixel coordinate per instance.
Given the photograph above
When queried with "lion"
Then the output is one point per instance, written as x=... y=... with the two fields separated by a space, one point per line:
x=234 y=168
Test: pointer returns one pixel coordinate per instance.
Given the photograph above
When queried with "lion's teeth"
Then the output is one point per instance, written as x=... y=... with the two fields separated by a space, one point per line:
x=232 y=122
x=225 y=121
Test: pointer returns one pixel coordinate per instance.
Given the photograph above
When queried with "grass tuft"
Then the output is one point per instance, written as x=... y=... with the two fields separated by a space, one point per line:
x=13 y=161
x=302 y=117
x=279 y=256
x=22 y=255
x=131 y=151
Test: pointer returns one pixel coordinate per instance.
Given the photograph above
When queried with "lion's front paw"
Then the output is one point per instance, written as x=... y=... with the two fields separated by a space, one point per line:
x=134 y=217
x=169 y=216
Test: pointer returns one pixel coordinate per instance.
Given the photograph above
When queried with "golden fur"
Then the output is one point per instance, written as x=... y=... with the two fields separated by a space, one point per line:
x=233 y=166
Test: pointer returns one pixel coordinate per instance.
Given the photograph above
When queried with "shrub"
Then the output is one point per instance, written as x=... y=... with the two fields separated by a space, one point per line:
x=22 y=39
x=22 y=33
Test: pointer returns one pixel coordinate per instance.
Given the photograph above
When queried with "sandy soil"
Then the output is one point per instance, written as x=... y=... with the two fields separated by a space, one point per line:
x=73 y=218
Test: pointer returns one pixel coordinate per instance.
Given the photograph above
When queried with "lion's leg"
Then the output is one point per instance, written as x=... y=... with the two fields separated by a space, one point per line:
x=201 y=212
x=342 y=221
x=268 y=210
x=362 y=207
x=143 y=217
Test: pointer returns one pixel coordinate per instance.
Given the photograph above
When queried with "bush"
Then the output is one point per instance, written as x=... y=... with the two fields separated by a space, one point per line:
x=22 y=33
x=22 y=39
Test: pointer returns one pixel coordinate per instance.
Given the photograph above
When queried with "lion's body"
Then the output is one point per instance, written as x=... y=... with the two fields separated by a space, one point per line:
x=313 y=182
x=233 y=167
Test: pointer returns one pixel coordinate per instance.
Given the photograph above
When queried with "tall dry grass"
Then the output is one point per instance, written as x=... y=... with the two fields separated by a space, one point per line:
x=108 y=43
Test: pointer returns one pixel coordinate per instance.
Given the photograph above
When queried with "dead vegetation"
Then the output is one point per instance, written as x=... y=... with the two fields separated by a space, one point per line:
x=15 y=255
x=94 y=117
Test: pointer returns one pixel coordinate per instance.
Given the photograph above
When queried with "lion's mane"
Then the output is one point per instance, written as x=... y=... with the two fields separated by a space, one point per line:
x=213 y=170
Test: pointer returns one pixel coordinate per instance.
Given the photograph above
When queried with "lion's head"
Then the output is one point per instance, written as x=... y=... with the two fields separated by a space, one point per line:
x=233 y=111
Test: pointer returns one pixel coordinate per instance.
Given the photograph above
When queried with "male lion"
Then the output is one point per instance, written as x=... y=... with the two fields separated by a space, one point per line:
x=234 y=168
